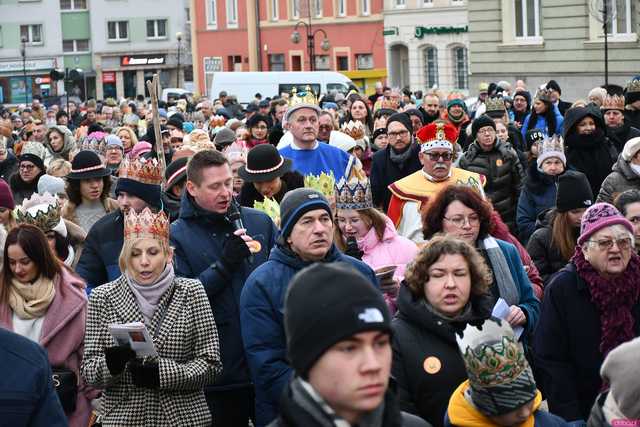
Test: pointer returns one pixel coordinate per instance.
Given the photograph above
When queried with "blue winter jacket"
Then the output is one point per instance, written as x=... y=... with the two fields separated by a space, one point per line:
x=27 y=395
x=538 y=194
x=262 y=320
x=198 y=238
x=542 y=124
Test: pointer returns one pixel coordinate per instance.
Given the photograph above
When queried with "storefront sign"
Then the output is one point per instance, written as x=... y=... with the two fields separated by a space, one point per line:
x=18 y=89
x=422 y=31
x=390 y=31
x=29 y=65
x=212 y=64
x=108 y=77
x=43 y=80
x=130 y=61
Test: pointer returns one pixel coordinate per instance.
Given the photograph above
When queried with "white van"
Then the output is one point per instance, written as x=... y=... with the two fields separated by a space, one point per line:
x=244 y=85
x=172 y=94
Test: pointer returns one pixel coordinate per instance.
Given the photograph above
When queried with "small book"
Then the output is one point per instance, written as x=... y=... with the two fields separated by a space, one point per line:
x=501 y=311
x=136 y=335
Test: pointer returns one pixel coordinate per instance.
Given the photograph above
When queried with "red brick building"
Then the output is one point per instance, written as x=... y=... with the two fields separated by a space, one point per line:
x=255 y=35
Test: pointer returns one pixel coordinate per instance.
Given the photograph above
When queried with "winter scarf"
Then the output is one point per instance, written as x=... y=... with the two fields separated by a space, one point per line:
x=30 y=301
x=252 y=142
x=465 y=316
x=614 y=299
x=148 y=296
x=508 y=290
x=400 y=158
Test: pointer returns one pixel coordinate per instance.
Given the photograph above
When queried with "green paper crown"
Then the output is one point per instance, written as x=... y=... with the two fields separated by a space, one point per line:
x=323 y=183
x=270 y=207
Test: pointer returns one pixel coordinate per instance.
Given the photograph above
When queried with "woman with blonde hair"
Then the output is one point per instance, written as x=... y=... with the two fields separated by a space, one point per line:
x=128 y=137
x=166 y=389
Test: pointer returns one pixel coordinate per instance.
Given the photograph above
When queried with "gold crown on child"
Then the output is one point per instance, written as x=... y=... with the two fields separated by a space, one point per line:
x=146 y=171
x=146 y=225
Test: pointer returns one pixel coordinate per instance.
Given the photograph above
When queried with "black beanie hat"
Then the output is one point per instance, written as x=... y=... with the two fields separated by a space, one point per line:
x=325 y=304
x=481 y=122
x=150 y=193
x=403 y=118
x=574 y=191
x=417 y=113
x=553 y=85
x=176 y=172
x=176 y=120
x=525 y=94
x=533 y=136
x=298 y=202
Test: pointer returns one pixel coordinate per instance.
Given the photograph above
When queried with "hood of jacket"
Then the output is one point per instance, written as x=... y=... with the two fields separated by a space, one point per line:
x=370 y=240
x=537 y=182
x=67 y=146
x=574 y=115
x=545 y=218
x=624 y=168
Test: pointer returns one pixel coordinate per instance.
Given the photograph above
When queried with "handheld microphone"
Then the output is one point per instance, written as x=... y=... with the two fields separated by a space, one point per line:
x=233 y=215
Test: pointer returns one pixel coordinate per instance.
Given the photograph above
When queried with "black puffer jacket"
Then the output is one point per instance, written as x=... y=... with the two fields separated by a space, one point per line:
x=544 y=253
x=591 y=154
x=504 y=173
x=620 y=179
x=419 y=337
x=619 y=136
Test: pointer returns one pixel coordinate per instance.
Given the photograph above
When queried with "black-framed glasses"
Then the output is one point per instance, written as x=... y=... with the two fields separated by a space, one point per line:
x=606 y=244
x=437 y=156
x=398 y=134
x=27 y=167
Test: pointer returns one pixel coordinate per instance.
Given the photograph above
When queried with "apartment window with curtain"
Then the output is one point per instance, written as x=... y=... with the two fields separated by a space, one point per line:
x=156 y=29
x=212 y=13
x=73 y=4
x=430 y=55
x=623 y=13
x=527 y=19
x=118 y=30
x=460 y=67
x=232 y=13
x=32 y=33
x=274 y=10
x=74 y=46
x=276 y=61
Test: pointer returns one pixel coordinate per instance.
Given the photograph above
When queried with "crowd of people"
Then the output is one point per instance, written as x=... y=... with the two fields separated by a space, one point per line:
x=401 y=259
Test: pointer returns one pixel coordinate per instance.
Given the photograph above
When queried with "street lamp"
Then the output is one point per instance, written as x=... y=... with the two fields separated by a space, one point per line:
x=23 y=53
x=179 y=37
x=311 y=41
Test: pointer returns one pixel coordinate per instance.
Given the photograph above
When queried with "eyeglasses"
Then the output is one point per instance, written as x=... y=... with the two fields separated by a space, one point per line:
x=437 y=156
x=486 y=131
x=459 y=220
x=398 y=134
x=27 y=167
x=605 y=245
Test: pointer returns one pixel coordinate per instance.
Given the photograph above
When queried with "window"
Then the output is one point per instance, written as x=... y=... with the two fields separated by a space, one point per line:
x=342 y=7
x=399 y=3
x=527 y=19
x=623 y=13
x=460 y=68
x=431 y=66
x=274 y=10
x=457 y=2
x=366 y=7
x=427 y=3
x=81 y=45
x=187 y=12
x=73 y=4
x=118 y=30
x=276 y=62
x=32 y=33
x=323 y=62
x=317 y=8
x=364 y=61
x=232 y=13
x=212 y=15
x=343 y=63
x=295 y=9
x=156 y=29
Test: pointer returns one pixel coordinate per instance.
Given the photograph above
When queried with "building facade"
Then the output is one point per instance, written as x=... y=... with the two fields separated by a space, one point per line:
x=538 y=40
x=238 y=35
x=427 y=44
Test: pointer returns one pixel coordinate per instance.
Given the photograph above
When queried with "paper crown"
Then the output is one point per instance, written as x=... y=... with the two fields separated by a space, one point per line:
x=495 y=104
x=217 y=121
x=613 y=102
x=307 y=97
x=35 y=148
x=146 y=225
x=236 y=152
x=553 y=143
x=146 y=171
x=323 y=183
x=43 y=211
x=353 y=194
x=271 y=207
x=543 y=94
x=500 y=377
x=390 y=104
x=95 y=141
x=633 y=86
x=437 y=135
x=355 y=129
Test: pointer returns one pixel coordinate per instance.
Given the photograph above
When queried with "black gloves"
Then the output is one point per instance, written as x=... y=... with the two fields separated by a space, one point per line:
x=117 y=358
x=352 y=249
x=145 y=375
x=234 y=251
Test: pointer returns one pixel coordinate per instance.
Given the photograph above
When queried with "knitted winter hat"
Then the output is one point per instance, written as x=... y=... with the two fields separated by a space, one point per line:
x=402 y=118
x=33 y=152
x=574 y=191
x=532 y=137
x=620 y=370
x=114 y=141
x=6 y=196
x=176 y=172
x=51 y=184
x=551 y=147
x=599 y=216
x=631 y=148
x=298 y=202
x=325 y=304
x=479 y=123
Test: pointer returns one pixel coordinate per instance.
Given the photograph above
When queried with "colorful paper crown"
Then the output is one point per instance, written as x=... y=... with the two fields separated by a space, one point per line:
x=96 y=142
x=495 y=104
x=307 y=97
x=146 y=225
x=543 y=94
x=355 y=129
x=390 y=104
x=43 y=211
x=270 y=207
x=217 y=121
x=353 y=194
x=323 y=183
x=500 y=377
x=438 y=134
x=146 y=171
x=633 y=86
x=35 y=148
x=613 y=102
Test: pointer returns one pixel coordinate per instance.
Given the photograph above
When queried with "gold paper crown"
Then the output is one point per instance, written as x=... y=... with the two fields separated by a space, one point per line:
x=391 y=104
x=323 y=183
x=45 y=220
x=495 y=104
x=142 y=170
x=306 y=97
x=353 y=194
x=554 y=144
x=543 y=94
x=270 y=207
x=354 y=129
x=146 y=225
x=633 y=86
x=217 y=121
x=613 y=102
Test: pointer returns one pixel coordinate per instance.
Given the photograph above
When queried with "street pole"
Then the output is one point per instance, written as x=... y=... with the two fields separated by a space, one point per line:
x=179 y=37
x=23 y=52
x=66 y=92
x=311 y=41
x=606 y=45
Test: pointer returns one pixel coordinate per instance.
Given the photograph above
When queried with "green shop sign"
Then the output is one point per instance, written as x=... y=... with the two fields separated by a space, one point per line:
x=422 y=31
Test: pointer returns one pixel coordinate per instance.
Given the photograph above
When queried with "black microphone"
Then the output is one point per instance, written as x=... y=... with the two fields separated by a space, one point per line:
x=233 y=215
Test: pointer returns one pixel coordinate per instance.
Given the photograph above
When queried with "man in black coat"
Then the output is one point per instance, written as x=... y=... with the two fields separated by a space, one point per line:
x=618 y=130
x=397 y=160
x=556 y=92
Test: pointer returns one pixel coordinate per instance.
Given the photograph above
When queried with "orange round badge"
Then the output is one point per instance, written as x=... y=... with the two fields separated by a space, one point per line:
x=432 y=365
x=499 y=162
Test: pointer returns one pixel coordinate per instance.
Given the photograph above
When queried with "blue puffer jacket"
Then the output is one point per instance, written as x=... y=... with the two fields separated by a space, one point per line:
x=538 y=194
x=198 y=237
x=262 y=320
x=541 y=124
